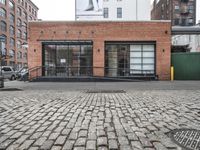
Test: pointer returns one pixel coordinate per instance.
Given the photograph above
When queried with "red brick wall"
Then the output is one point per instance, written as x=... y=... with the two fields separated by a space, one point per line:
x=99 y=32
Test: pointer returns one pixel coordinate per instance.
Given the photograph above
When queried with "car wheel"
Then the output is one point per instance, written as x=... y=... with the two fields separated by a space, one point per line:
x=12 y=78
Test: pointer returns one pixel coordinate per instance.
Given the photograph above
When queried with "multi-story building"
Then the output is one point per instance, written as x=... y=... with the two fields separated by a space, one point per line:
x=14 y=17
x=113 y=10
x=180 y=12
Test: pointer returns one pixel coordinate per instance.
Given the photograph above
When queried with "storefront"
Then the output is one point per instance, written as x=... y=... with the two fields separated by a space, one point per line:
x=69 y=58
x=126 y=59
x=103 y=49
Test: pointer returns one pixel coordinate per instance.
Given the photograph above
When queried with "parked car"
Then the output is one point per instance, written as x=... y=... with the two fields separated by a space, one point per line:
x=22 y=74
x=8 y=72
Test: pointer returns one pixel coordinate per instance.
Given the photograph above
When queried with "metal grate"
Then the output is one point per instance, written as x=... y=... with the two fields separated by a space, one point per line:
x=105 y=91
x=186 y=138
x=11 y=89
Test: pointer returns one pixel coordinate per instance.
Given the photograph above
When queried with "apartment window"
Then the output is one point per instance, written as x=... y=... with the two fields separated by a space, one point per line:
x=30 y=18
x=12 y=31
x=4 y=51
x=12 y=42
x=167 y=2
x=105 y=13
x=3 y=26
x=25 y=55
x=191 y=9
x=12 y=53
x=33 y=11
x=119 y=12
x=176 y=7
x=5 y=41
x=19 y=55
x=176 y=21
x=19 y=22
x=22 y=2
x=12 y=19
x=29 y=8
x=19 y=44
x=183 y=22
x=24 y=25
x=2 y=13
x=19 y=11
x=3 y=2
x=19 y=33
x=24 y=35
x=26 y=5
x=25 y=15
x=11 y=5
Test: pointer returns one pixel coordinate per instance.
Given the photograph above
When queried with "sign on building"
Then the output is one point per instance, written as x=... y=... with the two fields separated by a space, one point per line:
x=89 y=9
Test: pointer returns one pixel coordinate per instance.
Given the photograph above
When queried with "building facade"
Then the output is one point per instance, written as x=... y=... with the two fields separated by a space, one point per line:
x=180 y=12
x=103 y=49
x=14 y=17
x=113 y=10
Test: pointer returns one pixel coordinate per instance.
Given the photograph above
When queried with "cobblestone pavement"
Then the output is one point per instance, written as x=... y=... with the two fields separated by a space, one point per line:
x=58 y=119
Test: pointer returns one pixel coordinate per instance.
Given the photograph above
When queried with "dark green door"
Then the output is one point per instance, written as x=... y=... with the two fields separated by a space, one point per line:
x=186 y=66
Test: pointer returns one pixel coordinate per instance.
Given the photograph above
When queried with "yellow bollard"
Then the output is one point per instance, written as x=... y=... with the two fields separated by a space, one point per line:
x=172 y=73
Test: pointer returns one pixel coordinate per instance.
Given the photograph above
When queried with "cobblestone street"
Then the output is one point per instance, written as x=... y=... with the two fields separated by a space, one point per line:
x=74 y=119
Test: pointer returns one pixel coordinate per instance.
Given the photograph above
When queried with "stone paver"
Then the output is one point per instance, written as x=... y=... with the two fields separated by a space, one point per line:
x=59 y=119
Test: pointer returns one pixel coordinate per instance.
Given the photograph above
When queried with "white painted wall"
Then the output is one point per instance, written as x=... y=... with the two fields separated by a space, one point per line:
x=192 y=40
x=131 y=10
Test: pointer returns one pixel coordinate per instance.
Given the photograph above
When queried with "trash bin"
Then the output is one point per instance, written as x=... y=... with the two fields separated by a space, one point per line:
x=1 y=82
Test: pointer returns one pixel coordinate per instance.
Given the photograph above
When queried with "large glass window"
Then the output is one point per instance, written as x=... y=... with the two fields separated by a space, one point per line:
x=2 y=13
x=67 y=59
x=129 y=59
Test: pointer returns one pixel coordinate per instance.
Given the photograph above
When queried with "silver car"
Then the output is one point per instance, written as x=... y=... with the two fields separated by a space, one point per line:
x=8 y=72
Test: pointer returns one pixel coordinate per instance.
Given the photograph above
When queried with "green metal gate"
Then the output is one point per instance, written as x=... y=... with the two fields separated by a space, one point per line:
x=186 y=66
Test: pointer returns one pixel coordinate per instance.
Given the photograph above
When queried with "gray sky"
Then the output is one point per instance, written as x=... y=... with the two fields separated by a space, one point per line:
x=65 y=9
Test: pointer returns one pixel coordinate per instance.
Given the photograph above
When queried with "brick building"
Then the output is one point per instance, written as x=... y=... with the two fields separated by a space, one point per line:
x=180 y=12
x=14 y=17
x=105 y=49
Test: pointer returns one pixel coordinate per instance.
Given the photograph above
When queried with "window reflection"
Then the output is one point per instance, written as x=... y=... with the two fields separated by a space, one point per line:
x=68 y=60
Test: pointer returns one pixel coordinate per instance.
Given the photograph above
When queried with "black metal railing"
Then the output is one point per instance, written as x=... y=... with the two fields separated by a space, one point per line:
x=83 y=71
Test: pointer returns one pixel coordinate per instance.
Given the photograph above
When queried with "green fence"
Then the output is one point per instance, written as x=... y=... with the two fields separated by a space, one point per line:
x=186 y=66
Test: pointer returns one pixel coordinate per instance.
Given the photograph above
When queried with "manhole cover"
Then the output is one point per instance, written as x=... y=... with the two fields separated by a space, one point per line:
x=187 y=138
x=11 y=89
x=106 y=91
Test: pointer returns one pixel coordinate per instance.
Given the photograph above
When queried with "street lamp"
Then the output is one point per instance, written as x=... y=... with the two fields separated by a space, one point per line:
x=2 y=39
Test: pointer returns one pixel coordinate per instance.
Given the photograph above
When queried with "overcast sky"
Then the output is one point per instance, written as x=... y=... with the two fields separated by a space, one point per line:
x=65 y=9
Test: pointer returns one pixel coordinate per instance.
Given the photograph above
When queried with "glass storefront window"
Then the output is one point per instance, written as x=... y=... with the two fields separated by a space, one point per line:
x=125 y=60
x=67 y=59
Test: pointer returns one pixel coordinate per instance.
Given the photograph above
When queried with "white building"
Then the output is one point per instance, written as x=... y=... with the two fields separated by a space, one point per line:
x=125 y=10
x=192 y=40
